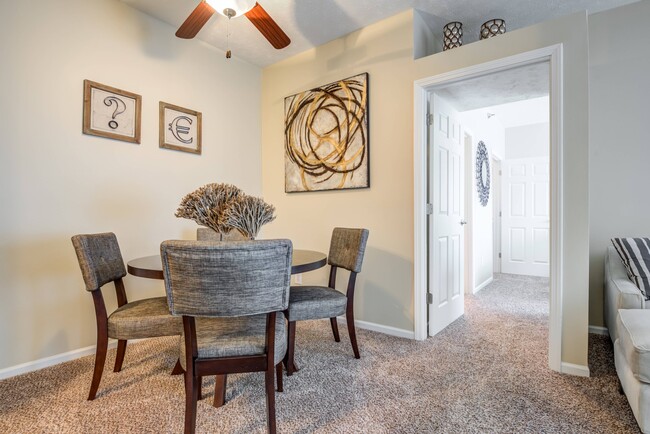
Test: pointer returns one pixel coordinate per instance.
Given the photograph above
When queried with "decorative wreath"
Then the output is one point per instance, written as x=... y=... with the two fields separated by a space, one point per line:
x=482 y=163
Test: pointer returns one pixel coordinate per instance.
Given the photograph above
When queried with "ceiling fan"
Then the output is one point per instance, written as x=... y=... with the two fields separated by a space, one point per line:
x=230 y=9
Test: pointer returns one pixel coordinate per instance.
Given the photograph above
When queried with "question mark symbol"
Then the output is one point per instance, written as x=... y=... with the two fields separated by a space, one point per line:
x=120 y=107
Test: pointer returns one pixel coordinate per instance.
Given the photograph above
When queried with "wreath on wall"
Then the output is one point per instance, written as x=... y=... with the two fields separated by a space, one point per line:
x=482 y=173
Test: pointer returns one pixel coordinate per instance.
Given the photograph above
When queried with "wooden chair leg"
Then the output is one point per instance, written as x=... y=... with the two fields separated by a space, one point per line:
x=270 y=398
x=335 y=329
x=349 y=318
x=278 y=374
x=178 y=369
x=291 y=336
x=192 y=385
x=119 y=357
x=200 y=391
x=220 y=382
x=100 y=359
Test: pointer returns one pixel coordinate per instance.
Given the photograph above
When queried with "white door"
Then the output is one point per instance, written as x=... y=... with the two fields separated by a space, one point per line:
x=446 y=233
x=525 y=222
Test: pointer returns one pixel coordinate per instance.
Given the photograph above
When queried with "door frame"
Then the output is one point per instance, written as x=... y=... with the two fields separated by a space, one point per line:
x=496 y=211
x=422 y=89
x=468 y=142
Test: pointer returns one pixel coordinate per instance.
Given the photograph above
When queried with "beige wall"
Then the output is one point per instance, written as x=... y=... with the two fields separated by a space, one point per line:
x=385 y=51
x=619 y=91
x=57 y=182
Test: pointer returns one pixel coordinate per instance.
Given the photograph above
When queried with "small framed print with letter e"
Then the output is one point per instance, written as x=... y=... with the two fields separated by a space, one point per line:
x=180 y=128
x=111 y=112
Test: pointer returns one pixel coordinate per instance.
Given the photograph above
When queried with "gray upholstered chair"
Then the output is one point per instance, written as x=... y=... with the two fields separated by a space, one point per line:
x=208 y=234
x=317 y=302
x=231 y=296
x=101 y=262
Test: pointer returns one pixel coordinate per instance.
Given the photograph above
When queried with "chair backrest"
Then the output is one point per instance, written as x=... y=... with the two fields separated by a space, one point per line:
x=347 y=248
x=208 y=234
x=99 y=258
x=204 y=278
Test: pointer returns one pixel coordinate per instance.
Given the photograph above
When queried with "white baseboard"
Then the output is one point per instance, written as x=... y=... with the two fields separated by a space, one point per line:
x=46 y=362
x=484 y=284
x=577 y=370
x=387 y=330
x=598 y=330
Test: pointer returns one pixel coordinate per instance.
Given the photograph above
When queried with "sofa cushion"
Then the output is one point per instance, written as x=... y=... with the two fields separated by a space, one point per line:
x=634 y=340
x=635 y=254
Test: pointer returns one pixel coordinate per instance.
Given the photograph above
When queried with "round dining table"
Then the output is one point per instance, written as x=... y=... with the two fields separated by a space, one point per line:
x=151 y=266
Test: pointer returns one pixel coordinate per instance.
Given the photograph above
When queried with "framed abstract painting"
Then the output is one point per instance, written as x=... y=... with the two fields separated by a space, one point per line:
x=326 y=137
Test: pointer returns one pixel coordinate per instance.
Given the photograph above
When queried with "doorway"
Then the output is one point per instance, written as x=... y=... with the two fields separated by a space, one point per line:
x=423 y=91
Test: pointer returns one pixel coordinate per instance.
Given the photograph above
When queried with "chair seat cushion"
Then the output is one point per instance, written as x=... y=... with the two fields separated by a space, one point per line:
x=634 y=341
x=145 y=318
x=315 y=302
x=236 y=337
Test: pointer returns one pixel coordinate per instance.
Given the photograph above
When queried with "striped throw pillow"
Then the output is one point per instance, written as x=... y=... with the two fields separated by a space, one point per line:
x=635 y=254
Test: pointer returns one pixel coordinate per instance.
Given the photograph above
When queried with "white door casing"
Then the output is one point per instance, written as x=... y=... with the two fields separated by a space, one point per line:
x=446 y=235
x=497 y=213
x=423 y=88
x=525 y=222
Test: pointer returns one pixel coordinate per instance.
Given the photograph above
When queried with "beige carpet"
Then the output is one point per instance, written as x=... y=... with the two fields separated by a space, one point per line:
x=487 y=372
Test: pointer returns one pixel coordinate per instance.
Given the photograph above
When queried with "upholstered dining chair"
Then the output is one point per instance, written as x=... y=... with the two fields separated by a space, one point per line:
x=208 y=234
x=347 y=248
x=101 y=262
x=231 y=296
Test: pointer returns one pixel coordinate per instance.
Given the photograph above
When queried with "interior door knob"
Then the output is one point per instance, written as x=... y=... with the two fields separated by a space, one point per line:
x=463 y=222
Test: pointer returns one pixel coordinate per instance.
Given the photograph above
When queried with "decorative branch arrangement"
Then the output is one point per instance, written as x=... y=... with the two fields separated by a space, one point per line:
x=224 y=207
x=248 y=214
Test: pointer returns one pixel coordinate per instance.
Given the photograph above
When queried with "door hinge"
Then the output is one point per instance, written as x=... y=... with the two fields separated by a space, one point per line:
x=429 y=208
x=429 y=298
x=429 y=119
x=499 y=255
x=499 y=213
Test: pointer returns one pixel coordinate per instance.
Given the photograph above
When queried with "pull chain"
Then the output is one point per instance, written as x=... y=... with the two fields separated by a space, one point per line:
x=228 y=53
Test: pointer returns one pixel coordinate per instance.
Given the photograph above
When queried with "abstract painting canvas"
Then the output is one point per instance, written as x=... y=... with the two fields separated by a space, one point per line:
x=326 y=137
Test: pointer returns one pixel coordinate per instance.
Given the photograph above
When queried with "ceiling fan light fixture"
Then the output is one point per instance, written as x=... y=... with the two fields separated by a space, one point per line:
x=232 y=8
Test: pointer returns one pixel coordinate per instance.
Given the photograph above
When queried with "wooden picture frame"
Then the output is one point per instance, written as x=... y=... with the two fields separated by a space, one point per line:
x=179 y=128
x=112 y=113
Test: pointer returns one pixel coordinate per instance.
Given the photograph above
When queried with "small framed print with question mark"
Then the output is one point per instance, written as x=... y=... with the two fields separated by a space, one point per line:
x=111 y=112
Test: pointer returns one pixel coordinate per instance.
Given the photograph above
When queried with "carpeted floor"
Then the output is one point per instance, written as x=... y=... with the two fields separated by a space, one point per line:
x=487 y=372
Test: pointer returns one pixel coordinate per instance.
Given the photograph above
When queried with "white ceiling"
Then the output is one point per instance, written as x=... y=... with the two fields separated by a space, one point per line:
x=516 y=84
x=516 y=114
x=310 y=23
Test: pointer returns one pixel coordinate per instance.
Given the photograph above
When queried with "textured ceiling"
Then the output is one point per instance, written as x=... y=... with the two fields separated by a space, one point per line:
x=310 y=23
x=516 y=84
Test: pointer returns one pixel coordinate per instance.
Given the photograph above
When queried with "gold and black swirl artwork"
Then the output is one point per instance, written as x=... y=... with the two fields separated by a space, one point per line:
x=326 y=137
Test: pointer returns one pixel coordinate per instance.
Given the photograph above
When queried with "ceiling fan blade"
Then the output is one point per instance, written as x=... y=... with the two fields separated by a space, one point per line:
x=197 y=19
x=269 y=28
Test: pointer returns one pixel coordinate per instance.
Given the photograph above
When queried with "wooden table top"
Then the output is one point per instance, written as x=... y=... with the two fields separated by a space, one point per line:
x=301 y=262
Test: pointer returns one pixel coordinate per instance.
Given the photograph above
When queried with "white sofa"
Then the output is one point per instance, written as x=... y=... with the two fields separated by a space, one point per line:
x=620 y=292
x=628 y=321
